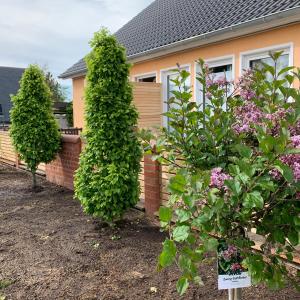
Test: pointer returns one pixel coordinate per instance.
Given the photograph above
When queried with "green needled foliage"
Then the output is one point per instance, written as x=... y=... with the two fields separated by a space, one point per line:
x=106 y=182
x=34 y=131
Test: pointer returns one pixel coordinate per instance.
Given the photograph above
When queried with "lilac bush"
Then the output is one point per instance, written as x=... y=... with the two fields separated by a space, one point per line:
x=239 y=172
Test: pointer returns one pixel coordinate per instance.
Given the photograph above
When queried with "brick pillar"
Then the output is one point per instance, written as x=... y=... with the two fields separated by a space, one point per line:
x=152 y=173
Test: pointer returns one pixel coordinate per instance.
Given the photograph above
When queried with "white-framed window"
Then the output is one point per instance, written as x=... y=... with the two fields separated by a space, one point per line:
x=147 y=77
x=220 y=67
x=168 y=86
x=255 y=58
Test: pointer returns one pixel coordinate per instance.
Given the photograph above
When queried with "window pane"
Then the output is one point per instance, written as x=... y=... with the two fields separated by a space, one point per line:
x=221 y=72
x=282 y=62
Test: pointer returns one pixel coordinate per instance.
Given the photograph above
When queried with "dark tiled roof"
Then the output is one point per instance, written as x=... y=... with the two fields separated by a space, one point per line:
x=168 y=21
x=9 y=84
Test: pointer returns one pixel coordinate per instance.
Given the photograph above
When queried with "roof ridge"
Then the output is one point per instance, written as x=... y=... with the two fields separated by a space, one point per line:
x=7 y=67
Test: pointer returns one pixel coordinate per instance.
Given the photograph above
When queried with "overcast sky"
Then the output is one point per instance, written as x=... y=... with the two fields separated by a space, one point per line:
x=55 y=33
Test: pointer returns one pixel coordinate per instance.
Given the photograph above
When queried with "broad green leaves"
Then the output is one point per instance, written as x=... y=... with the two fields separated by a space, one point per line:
x=165 y=214
x=168 y=254
x=181 y=233
x=182 y=285
x=232 y=175
x=254 y=200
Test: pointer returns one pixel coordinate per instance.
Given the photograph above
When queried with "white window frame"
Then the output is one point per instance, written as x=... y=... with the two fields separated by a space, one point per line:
x=212 y=63
x=247 y=56
x=164 y=73
x=144 y=75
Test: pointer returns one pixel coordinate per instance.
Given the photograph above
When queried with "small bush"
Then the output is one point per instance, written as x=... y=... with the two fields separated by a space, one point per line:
x=107 y=179
x=34 y=131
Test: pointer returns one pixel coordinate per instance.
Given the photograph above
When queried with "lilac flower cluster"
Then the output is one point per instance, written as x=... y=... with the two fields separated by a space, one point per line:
x=246 y=116
x=291 y=160
x=245 y=85
x=218 y=178
x=296 y=141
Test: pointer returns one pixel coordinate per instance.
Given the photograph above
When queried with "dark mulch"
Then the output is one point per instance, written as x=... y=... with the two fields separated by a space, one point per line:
x=50 y=250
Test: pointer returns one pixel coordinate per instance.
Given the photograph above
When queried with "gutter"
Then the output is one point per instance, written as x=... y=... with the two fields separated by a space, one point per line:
x=285 y=17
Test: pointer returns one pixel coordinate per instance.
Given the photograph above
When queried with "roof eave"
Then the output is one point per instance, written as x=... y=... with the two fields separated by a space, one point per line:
x=75 y=74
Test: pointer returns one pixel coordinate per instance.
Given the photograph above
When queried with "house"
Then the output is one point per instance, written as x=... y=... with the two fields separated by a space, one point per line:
x=9 y=85
x=230 y=36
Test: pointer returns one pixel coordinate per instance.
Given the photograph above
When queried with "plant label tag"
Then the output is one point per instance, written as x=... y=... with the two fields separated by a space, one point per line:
x=231 y=273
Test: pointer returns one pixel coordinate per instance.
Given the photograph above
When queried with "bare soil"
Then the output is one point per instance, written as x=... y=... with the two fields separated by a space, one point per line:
x=50 y=250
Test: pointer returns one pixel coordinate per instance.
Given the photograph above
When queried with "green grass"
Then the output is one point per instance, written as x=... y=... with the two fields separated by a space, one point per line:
x=4 y=284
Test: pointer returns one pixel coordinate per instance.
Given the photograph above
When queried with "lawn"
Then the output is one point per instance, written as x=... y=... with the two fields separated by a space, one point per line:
x=50 y=250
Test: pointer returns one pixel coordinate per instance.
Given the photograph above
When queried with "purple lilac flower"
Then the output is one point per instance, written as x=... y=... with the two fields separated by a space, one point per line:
x=218 y=178
x=291 y=160
x=296 y=141
x=245 y=85
x=247 y=115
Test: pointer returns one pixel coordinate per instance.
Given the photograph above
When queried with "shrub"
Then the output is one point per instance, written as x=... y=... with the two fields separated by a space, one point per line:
x=240 y=170
x=107 y=179
x=34 y=131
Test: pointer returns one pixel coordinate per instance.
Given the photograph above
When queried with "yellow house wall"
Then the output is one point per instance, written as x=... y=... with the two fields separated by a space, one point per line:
x=78 y=102
x=284 y=35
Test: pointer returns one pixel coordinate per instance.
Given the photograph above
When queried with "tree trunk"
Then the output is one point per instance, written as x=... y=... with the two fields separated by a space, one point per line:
x=34 y=179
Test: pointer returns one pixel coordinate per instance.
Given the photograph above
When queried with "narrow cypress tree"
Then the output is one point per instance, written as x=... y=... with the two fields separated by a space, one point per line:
x=106 y=182
x=34 y=131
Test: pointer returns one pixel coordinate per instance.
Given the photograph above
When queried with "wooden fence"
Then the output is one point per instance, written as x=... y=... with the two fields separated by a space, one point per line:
x=147 y=98
x=9 y=156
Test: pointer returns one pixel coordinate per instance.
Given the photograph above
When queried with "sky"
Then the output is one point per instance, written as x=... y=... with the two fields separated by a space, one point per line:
x=55 y=33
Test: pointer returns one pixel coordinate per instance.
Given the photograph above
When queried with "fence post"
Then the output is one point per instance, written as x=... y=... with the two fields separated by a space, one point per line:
x=152 y=177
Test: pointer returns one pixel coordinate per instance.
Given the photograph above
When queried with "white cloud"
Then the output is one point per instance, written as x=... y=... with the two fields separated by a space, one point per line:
x=56 y=32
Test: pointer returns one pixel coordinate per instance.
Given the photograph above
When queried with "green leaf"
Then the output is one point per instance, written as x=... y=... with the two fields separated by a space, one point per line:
x=165 y=214
x=177 y=184
x=244 y=150
x=168 y=254
x=182 y=285
x=285 y=171
x=211 y=244
x=183 y=215
x=254 y=200
x=234 y=185
x=293 y=237
x=278 y=235
x=181 y=233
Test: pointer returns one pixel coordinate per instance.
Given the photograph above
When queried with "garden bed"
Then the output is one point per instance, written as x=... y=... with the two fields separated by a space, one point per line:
x=50 y=250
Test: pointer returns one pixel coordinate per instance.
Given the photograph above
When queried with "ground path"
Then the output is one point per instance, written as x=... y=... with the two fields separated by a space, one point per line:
x=50 y=250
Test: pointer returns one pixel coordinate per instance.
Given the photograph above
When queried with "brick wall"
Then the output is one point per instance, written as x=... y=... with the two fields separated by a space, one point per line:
x=152 y=177
x=61 y=170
